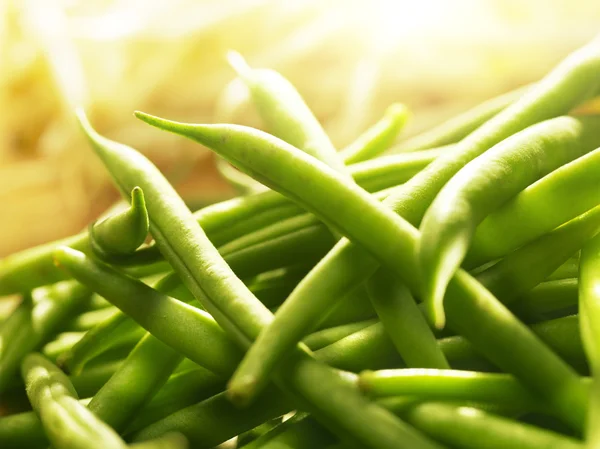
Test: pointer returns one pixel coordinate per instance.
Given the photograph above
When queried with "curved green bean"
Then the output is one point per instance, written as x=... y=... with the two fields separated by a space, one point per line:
x=378 y=138
x=483 y=185
x=553 y=200
x=121 y=234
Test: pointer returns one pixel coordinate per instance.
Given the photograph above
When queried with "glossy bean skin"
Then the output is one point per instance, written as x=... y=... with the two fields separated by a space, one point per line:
x=459 y=127
x=121 y=234
x=472 y=310
x=377 y=138
x=451 y=385
x=471 y=428
x=400 y=315
x=238 y=312
x=547 y=300
x=68 y=424
x=285 y=113
x=483 y=185
x=589 y=313
x=555 y=199
x=523 y=269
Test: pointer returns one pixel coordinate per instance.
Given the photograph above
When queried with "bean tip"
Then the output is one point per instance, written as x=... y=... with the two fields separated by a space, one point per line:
x=241 y=391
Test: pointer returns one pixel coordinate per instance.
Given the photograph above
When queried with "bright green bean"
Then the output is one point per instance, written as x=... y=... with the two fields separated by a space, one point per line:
x=244 y=184
x=404 y=322
x=325 y=337
x=529 y=265
x=140 y=376
x=482 y=186
x=474 y=311
x=459 y=127
x=471 y=428
x=546 y=299
x=285 y=113
x=589 y=314
x=88 y=320
x=121 y=234
x=377 y=138
x=67 y=423
x=553 y=200
x=452 y=385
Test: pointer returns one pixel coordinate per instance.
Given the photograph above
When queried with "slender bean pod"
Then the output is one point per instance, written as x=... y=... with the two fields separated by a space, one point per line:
x=482 y=186
x=553 y=200
x=377 y=138
x=68 y=424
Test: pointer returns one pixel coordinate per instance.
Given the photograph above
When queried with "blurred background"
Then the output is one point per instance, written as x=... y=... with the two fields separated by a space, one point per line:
x=348 y=59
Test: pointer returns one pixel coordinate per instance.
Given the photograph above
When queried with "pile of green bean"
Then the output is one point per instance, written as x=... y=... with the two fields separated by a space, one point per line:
x=439 y=292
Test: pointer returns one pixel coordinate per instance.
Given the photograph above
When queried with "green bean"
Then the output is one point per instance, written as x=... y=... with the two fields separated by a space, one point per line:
x=377 y=138
x=435 y=384
x=325 y=337
x=167 y=441
x=299 y=432
x=218 y=354
x=404 y=322
x=529 y=265
x=216 y=419
x=67 y=423
x=547 y=298
x=569 y=269
x=182 y=390
x=285 y=113
x=471 y=428
x=63 y=342
x=89 y=381
x=460 y=126
x=201 y=337
x=589 y=313
x=350 y=309
x=88 y=320
x=553 y=200
x=121 y=234
x=134 y=384
x=482 y=186
x=109 y=334
x=33 y=323
x=474 y=311
x=272 y=287
x=22 y=430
